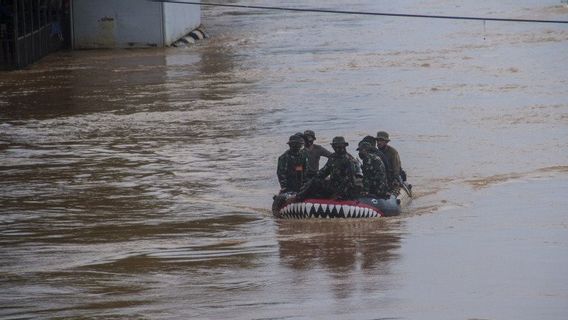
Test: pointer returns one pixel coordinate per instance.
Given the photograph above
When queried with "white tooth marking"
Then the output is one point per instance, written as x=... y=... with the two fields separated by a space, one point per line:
x=309 y=207
x=366 y=212
x=345 y=209
x=324 y=206
x=316 y=206
x=331 y=207
x=303 y=207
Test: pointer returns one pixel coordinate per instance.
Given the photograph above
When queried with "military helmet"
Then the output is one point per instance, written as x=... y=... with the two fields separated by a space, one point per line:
x=295 y=139
x=339 y=141
x=364 y=145
x=310 y=133
x=299 y=134
x=382 y=135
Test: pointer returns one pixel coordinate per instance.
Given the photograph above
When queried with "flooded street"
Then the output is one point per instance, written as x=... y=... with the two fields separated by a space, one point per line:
x=137 y=184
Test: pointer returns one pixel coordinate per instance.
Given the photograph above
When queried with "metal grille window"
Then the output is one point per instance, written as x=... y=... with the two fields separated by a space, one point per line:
x=29 y=30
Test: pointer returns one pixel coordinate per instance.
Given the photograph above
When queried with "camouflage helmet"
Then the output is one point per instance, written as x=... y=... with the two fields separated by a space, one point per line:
x=382 y=135
x=364 y=145
x=310 y=133
x=369 y=139
x=295 y=139
x=339 y=141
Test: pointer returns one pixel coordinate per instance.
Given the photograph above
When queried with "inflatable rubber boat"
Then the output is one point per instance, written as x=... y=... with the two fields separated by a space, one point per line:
x=286 y=207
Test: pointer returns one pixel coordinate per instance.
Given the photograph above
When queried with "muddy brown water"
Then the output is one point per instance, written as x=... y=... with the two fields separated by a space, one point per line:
x=138 y=183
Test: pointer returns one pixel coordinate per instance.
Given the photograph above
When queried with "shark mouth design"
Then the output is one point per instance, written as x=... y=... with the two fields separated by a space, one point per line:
x=323 y=208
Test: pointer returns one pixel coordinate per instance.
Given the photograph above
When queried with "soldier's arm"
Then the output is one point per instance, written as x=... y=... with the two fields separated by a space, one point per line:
x=366 y=183
x=305 y=162
x=326 y=170
x=396 y=164
x=324 y=152
x=381 y=178
x=281 y=173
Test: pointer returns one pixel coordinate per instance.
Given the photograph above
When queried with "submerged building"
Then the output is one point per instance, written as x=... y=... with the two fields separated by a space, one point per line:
x=131 y=23
x=31 y=29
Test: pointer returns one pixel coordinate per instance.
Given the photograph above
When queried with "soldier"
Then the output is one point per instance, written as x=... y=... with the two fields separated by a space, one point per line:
x=374 y=175
x=394 y=170
x=292 y=166
x=344 y=174
x=315 y=152
x=373 y=142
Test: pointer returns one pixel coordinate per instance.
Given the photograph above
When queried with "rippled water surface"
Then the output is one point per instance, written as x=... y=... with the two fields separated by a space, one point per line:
x=138 y=183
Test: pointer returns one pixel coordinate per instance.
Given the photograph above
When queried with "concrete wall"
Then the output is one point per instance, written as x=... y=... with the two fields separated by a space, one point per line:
x=130 y=23
x=179 y=20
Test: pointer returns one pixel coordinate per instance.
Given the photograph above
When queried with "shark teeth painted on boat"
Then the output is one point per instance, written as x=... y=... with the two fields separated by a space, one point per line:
x=309 y=207
x=303 y=210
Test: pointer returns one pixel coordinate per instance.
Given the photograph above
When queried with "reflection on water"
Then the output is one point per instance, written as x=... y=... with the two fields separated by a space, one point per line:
x=343 y=249
x=336 y=247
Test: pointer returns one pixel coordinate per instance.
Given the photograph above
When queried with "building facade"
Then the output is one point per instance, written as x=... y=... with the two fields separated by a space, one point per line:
x=31 y=29
x=131 y=23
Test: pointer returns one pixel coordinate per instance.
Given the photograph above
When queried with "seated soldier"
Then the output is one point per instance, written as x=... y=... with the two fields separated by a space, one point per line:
x=343 y=171
x=373 y=142
x=374 y=175
x=292 y=166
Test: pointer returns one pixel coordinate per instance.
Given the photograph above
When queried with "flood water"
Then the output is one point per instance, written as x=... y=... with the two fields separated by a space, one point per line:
x=137 y=184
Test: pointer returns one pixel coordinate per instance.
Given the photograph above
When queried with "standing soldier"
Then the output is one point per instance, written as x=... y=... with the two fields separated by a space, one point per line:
x=315 y=152
x=374 y=175
x=394 y=170
x=292 y=166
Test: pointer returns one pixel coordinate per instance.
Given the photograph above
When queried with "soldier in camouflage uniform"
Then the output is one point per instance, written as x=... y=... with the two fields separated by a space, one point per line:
x=374 y=175
x=292 y=166
x=344 y=173
x=373 y=142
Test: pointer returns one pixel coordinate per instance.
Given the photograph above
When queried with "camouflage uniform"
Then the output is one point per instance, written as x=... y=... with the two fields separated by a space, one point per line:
x=344 y=175
x=291 y=170
x=372 y=141
x=374 y=175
